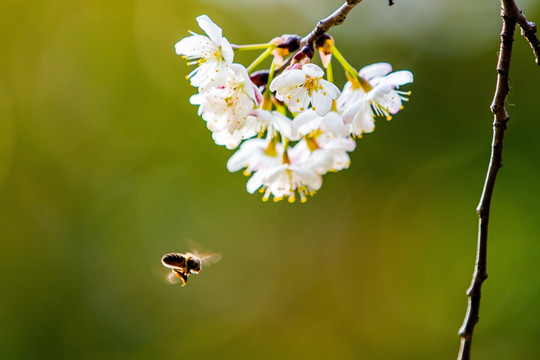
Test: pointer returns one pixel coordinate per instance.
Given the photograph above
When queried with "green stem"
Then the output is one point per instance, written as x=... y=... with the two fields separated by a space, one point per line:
x=330 y=72
x=344 y=63
x=282 y=110
x=355 y=78
x=252 y=47
x=260 y=58
x=267 y=92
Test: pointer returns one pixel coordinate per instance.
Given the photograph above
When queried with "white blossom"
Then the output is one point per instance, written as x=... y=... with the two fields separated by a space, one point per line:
x=213 y=54
x=285 y=152
x=374 y=95
x=285 y=181
x=226 y=108
x=274 y=123
x=298 y=88
x=255 y=154
x=309 y=121
x=324 y=152
x=229 y=138
x=273 y=172
x=298 y=173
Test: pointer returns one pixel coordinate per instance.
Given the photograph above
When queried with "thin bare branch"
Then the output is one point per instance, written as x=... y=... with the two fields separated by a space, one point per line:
x=528 y=30
x=337 y=18
x=511 y=15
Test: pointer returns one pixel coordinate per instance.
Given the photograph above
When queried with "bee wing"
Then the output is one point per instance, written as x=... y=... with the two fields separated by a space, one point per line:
x=164 y=275
x=209 y=258
x=172 y=278
x=173 y=260
x=206 y=256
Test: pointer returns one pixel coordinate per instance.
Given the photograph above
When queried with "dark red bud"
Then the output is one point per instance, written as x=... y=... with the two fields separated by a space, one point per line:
x=290 y=42
x=322 y=39
x=260 y=78
x=306 y=51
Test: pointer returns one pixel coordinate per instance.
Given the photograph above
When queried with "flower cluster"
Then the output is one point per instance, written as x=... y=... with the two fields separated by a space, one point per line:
x=289 y=123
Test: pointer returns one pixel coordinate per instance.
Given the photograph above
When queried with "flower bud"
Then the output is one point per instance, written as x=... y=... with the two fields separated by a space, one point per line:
x=291 y=42
x=285 y=44
x=304 y=55
x=324 y=45
x=260 y=78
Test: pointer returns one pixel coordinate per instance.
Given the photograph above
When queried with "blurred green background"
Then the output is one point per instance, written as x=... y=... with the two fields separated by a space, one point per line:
x=105 y=166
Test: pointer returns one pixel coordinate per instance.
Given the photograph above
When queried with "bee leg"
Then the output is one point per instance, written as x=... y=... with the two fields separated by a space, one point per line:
x=182 y=276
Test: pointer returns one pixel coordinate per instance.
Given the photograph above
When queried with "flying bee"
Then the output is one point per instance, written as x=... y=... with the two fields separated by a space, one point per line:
x=182 y=265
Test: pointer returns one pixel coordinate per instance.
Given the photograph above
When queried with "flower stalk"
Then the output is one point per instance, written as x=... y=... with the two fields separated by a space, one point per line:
x=260 y=58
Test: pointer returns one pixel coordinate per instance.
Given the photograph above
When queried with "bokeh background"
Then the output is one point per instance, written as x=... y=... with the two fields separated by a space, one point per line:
x=105 y=166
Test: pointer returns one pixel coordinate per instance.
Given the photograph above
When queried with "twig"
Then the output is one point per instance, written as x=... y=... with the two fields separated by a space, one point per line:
x=511 y=15
x=336 y=18
x=528 y=30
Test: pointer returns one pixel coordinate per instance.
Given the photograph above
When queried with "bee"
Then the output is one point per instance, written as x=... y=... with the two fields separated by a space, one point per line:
x=183 y=265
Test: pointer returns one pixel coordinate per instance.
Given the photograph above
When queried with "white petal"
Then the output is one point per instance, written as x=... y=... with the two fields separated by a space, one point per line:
x=288 y=79
x=299 y=152
x=307 y=122
x=353 y=109
x=196 y=99
x=285 y=126
x=342 y=144
x=335 y=124
x=349 y=96
x=299 y=100
x=230 y=139
x=399 y=78
x=196 y=46
x=255 y=182
x=227 y=51
x=331 y=89
x=262 y=115
x=240 y=72
x=321 y=103
x=387 y=97
x=321 y=161
x=309 y=177
x=240 y=159
x=275 y=174
x=375 y=70
x=341 y=160
x=313 y=70
x=212 y=30
x=363 y=122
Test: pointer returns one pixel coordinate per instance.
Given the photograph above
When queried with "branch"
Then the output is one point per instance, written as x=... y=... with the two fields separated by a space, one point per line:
x=511 y=15
x=337 y=18
x=528 y=30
